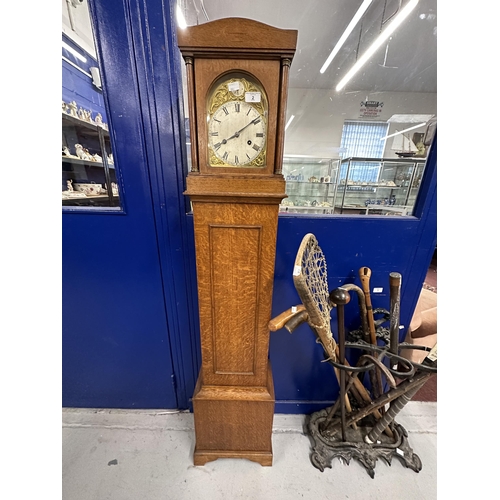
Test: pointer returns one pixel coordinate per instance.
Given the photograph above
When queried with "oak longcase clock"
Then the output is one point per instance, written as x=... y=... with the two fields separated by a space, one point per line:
x=237 y=79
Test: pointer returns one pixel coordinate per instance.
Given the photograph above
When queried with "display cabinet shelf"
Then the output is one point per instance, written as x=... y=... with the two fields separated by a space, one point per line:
x=81 y=175
x=78 y=161
x=70 y=120
x=393 y=186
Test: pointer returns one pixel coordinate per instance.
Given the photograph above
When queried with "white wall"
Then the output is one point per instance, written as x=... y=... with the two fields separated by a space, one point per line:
x=76 y=24
x=319 y=117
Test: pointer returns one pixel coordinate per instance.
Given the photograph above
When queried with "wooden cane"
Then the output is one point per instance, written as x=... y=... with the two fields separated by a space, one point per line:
x=364 y=275
x=340 y=298
x=395 y=299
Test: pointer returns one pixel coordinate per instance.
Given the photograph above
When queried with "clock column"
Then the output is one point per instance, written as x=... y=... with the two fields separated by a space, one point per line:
x=235 y=211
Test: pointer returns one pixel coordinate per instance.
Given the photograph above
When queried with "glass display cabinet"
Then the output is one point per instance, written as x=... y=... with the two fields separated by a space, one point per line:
x=88 y=173
x=310 y=185
x=358 y=186
x=385 y=186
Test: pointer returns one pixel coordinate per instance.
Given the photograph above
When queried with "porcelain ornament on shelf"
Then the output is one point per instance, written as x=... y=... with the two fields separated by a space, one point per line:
x=114 y=188
x=82 y=153
x=88 y=188
x=70 y=193
x=89 y=156
x=72 y=106
x=99 y=122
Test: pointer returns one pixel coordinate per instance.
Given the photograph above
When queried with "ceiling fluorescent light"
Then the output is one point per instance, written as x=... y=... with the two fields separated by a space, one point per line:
x=405 y=130
x=181 y=21
x=71 y=50
x=409 y=118
x=300 y=156
x=347 y=32
x=289 y=121
x=398 y=19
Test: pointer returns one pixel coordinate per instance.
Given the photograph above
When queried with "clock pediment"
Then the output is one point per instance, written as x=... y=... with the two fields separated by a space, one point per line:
x=245 y=36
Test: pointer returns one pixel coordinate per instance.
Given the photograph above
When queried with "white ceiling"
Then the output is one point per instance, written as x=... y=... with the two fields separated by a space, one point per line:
x=407 y=63
x=402 y=73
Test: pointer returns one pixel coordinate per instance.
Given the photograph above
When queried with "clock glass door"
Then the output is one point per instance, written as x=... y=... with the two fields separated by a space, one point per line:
x=237 y=116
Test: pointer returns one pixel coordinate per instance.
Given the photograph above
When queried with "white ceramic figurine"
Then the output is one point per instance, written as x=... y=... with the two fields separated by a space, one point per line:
x=73 y=109
x=80 y=152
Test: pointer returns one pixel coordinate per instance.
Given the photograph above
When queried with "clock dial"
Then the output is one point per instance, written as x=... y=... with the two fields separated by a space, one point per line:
x=237 y=133
x=237 y=113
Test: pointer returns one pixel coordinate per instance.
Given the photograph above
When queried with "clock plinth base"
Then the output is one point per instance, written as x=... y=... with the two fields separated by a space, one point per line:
x=202 y=457
x=233 y=422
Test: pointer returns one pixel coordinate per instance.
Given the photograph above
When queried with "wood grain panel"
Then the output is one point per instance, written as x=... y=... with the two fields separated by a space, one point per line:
x=235 y=297
x=236 y=317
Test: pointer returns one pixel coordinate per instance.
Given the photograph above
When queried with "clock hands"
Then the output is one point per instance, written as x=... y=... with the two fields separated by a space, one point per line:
x=250 y=138
x=237 y=134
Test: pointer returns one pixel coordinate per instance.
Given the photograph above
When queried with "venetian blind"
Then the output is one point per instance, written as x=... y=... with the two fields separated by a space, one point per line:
x=362 y=139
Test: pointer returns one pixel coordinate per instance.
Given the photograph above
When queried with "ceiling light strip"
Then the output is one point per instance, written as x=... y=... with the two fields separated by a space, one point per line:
x=76 y=66
x=398 y=19
x=347 y=32
x=181 y=20
x=71 y=50
x=289 y=121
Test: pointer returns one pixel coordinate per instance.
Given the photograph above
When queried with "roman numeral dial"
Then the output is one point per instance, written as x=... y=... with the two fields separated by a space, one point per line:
x=237 y=134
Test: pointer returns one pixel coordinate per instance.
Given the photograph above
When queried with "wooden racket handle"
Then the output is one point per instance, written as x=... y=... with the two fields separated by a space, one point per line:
x=279 y=321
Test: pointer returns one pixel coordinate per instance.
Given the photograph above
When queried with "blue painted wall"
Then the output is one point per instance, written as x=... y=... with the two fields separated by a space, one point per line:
x=118 y=310
x=130 y=321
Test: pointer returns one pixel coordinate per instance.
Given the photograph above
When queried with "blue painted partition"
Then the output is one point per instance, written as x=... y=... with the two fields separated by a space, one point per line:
x=127 y=322
x=303 y=383
x=385 y=244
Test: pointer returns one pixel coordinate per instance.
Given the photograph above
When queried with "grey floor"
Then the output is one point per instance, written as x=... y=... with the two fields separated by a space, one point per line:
x=121 y=455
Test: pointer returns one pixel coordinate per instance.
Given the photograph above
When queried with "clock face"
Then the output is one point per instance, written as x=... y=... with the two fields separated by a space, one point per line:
x=237 y=133
x=237 y=124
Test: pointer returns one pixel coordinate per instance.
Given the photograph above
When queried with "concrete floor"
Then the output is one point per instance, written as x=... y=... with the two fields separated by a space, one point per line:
x=147 y=455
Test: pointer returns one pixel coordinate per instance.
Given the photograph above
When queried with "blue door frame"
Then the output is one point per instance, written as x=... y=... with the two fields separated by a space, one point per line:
x=128 y=325
x=130 y=317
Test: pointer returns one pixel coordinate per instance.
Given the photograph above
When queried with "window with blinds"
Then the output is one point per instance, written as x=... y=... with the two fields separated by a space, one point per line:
x=362 y=139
